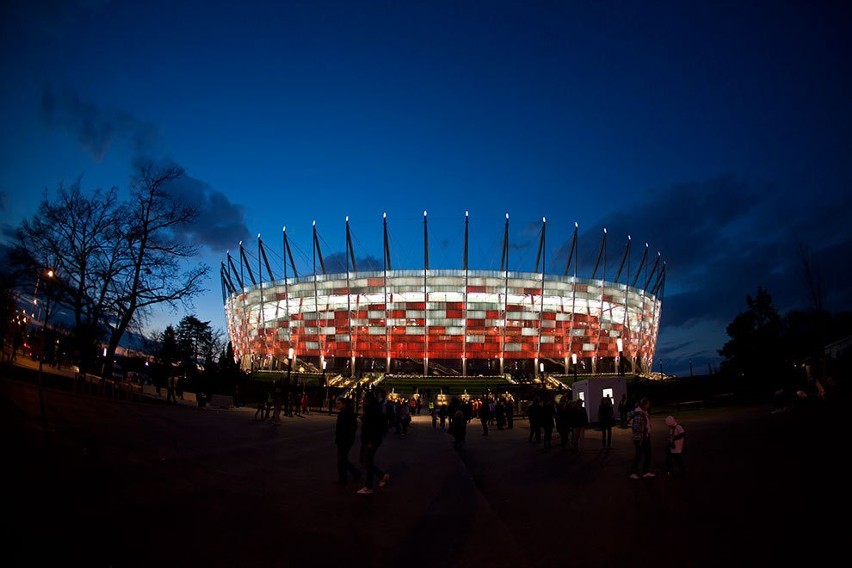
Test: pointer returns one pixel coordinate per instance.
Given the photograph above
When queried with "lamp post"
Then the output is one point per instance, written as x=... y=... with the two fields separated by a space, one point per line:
x=620 y=345
x=327 y=399
x=662 y=376
x=574 y=364
x=541 y=371
x=49 y=274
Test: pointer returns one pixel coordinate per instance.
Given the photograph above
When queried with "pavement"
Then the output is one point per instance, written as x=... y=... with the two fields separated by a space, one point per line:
x=96 y=481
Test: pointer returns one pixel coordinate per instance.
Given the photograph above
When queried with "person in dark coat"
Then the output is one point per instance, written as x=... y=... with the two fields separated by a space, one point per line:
x=485 y=416
x=500 y=409
x=578 y=420
x=534 y=416
x=458 y=429
x=374 y=425
x=546 y=418
x=344 y=437
x=563 y=422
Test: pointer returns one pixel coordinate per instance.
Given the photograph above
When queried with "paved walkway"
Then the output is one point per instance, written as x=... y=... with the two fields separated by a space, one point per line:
x=98 y=482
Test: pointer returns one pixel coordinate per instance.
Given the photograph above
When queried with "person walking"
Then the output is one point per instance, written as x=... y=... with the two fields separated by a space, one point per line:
x=277 y=398
x=458 y=429
x=500 y=409
x=534 y=417
x=548 y=415
x=642 y=440
x=442 y=415
x=674 y=451
x=264 y=408
x=170 y=390
x=578 y=421
x=374 y=425
x=404 y=418
x=605 y=418
x=563 y=422
x=344 y=438
x=485 y=416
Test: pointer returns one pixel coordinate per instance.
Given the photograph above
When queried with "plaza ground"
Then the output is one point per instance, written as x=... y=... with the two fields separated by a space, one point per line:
x=94 y=481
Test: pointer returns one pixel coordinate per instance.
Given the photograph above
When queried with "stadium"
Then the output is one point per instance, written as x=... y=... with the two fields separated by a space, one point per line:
x=439 y=322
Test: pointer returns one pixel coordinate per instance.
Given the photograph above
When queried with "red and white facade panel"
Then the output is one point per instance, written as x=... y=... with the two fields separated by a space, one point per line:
x=445 y=315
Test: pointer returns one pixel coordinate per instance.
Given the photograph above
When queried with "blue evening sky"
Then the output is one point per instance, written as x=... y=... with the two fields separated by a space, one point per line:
x=717 y=132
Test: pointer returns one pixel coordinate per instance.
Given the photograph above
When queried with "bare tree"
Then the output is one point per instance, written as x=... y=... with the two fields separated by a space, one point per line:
x=71 y=237
x=110 y=262
x=151 y=253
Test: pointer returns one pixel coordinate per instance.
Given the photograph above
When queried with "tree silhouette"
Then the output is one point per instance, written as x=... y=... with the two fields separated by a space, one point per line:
x=114 y=261
x=755 y=351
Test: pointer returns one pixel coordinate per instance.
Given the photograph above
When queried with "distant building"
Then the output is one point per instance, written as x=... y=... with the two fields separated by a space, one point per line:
x=446 y=322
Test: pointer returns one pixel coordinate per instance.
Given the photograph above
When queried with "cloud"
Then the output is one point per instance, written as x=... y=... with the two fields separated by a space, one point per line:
x=219 y=224
x=96 y=128
x=721 y=239
x=335 y=263
x=50 y=18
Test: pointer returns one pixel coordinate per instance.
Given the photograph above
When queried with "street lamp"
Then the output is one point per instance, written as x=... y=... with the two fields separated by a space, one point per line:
x=574 y=363
x=327 y=399
x=290 y=354
x=49 y=274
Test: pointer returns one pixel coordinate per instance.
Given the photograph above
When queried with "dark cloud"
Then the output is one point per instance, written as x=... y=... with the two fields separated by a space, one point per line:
x=722 y=239
x=96 y=128
x=335 y=263
x=219 y=224
x=49 y=18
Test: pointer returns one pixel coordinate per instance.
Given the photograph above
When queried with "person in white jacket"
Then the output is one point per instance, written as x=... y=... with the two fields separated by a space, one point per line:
x=674 y=451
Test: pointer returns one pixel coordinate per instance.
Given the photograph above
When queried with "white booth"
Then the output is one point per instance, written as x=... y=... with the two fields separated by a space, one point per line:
x=591 y=391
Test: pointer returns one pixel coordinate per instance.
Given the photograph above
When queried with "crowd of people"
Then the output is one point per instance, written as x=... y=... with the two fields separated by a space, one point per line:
x=568 y=417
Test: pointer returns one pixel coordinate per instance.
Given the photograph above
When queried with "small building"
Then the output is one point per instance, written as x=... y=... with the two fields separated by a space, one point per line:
x=591 y=391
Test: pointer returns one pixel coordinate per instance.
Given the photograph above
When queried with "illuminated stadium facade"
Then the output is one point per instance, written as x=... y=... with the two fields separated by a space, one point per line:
x=444 y=322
